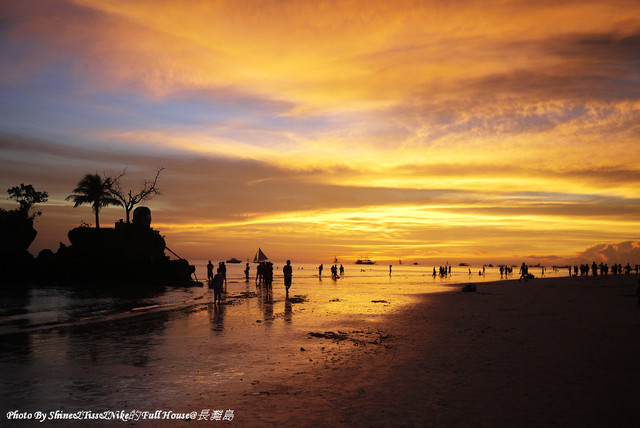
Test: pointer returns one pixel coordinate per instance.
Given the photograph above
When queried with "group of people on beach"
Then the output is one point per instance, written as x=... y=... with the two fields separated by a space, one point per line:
x=334 y=271
x=264 y=274
x=264 y=277
x=444 y=271
x=217 y=281
x=603 y=268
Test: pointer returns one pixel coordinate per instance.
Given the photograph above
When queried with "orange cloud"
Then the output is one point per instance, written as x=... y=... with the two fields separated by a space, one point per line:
x=405 y=126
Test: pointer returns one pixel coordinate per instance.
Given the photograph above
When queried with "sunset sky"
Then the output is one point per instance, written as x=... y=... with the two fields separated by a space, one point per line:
x=461 y=131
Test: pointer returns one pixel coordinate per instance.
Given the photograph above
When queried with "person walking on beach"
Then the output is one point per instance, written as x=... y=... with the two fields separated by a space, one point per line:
x=268 y=274
x=341 y=270
x=209 y=271
x=222 y=269
x=246 y=272
x=390 y=270
x=524 y=272
x=218 y=284
x=259 y=270
x=287 y=270
x=320 y=270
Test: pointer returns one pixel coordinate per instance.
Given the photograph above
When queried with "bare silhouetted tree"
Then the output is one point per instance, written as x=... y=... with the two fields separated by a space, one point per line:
x=129 y=199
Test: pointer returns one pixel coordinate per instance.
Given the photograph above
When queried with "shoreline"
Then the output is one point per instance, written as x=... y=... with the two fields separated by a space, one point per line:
x=548 y=352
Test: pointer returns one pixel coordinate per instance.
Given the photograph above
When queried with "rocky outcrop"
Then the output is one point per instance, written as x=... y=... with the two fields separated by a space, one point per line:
x=16 y=234
x=125 y=254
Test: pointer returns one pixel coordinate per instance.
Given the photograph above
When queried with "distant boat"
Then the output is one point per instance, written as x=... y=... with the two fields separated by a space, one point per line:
x=364 y=262
x=234 y=260
x=463 y=264
x=260 y=257
x=415 y=263
x=335 y=259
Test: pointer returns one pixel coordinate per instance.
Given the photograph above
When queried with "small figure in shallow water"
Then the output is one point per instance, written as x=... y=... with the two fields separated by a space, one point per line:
x=222 y=270
x=288 y=273
x=209 y=271
x=218 y=284
x=246 y=272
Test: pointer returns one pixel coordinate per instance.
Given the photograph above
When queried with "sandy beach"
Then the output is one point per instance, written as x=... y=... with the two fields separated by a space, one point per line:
x=547 y=352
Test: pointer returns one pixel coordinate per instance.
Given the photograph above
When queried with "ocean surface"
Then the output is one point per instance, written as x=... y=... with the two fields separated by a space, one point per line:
x=47 y=307
x=76 y=348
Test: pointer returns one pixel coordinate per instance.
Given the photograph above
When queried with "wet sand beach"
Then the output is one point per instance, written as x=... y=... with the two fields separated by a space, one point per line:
x=547 y=352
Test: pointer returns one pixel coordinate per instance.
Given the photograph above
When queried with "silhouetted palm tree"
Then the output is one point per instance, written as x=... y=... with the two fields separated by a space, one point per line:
x=92 y=189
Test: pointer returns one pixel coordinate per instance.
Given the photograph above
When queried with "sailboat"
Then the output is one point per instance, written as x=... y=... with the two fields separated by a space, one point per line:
x=260 y=256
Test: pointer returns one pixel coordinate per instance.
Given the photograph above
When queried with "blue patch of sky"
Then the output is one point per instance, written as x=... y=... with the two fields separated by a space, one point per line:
x=56 y=102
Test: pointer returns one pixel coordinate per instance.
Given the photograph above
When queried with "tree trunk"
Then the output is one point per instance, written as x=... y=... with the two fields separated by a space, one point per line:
x=97 y=220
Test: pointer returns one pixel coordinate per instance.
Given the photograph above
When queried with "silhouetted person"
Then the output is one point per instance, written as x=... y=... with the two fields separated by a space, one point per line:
x=209 y=271
x=268 y=274
x=259 y=273
x=246 y=272
x=341 y=270
x=218 y=284
x=288 y=272
x=524 y=272
x=390 y=270
x=594 y=269
x=320 y=270
x=222 y=270
x=334 y=272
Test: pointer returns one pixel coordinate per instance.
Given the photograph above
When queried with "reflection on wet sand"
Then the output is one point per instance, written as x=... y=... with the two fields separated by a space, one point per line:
x=216 y=315
x=184 y=344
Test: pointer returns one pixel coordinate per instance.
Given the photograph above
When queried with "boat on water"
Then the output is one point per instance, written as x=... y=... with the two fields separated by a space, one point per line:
x=234 y=260
x=260 y=257
x=365 y=262
x=463 y=264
